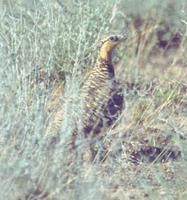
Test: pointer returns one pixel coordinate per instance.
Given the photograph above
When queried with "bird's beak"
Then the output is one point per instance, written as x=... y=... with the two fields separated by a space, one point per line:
x=123 y=37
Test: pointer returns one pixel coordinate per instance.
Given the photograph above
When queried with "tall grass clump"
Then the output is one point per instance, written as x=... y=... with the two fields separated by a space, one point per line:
x=45 y=44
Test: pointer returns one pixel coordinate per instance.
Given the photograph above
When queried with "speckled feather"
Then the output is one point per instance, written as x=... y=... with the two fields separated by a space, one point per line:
x=97 y=92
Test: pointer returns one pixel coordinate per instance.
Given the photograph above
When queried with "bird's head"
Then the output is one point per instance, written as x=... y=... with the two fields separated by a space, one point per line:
x=111 y=42
x=108 y=45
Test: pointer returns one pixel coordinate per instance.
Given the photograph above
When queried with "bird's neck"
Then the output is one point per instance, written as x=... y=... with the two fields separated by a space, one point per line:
x=105 y=55
x=104 y=62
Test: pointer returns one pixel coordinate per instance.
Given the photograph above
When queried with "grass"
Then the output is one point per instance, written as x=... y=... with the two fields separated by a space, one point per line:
x=46 y=44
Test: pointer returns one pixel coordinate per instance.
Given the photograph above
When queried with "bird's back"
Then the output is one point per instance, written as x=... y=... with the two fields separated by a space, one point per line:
x=99 y=99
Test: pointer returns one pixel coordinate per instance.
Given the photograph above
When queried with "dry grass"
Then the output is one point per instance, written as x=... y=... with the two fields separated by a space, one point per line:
x=44 y=45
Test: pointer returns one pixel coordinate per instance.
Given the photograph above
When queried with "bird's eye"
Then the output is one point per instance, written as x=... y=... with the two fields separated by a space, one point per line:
x=114 y=38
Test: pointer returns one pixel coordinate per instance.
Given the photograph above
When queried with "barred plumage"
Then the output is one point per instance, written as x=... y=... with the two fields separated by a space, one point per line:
x=101 y=100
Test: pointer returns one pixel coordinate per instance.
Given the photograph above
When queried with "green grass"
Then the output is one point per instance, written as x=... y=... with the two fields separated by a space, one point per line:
x=62 y=38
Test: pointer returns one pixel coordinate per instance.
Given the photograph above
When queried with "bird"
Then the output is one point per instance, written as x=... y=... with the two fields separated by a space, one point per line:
x=101 y=100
